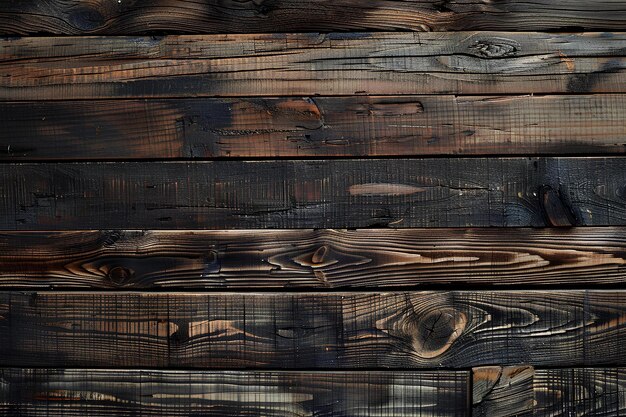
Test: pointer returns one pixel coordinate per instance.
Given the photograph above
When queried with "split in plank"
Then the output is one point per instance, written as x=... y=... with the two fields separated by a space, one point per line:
x=313 y=127
x=311 y=64
x=366 y=258
x=211 y=16
x=527 y=392
x=399 y=193
x=312 y=331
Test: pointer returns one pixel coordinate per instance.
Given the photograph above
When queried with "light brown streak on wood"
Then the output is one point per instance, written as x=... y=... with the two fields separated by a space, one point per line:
x=372 y=189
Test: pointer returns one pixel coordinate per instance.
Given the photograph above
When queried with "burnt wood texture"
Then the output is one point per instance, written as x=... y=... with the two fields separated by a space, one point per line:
x=399 y=193
x=54 y=392
x=316 y=259
x=525 y=392
x=62 y=68
x=211 y=16
x=356 y=126
x=421 y=330
x=312 y=208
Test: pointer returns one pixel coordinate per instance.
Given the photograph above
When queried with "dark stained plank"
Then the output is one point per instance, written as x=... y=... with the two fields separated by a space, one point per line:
x=63 y=392
x=313 y=127
x=526 y=392
x=399 y=193
x=212 y=16
x=312 y=331
x=366 y=258
x=62 y=68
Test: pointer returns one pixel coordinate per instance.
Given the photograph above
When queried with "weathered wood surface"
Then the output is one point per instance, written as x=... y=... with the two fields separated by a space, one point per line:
x=309 y=331
x=395 y=193
x=366 y=258
x=526 y=392
x=311 y=64
x=212 y=16
x=503 y=391
x=313 y=127
x=58 y=392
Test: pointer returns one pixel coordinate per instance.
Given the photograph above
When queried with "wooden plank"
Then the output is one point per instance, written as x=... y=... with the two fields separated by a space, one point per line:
x=311 y=331
x=503 y=391
x=314 y=194
x=583 y=392
x=313 y=127
x=61 y=68
x=81 y=17
x=63 y=392
x=366 y=258
x=526 y=392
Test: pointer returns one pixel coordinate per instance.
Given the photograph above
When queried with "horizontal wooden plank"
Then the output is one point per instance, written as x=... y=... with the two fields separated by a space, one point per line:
x=314 y=194
x=485 y=45
x=63 y=392
x=371 y=258
x=129 y=17
x=323 y=330
x=527 y=392
x=313 y=127
x=61 y=68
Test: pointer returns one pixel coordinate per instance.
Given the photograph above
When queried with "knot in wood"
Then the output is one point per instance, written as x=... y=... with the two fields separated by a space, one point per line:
x=111 y=238
x=491 y=49
x=320 y=258
x=434 y=333
x=318 y=255
x=556 y=210
x=211 y=257
x=120 y=275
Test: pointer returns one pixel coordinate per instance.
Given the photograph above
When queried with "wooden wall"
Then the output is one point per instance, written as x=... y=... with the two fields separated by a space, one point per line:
x=348 y=208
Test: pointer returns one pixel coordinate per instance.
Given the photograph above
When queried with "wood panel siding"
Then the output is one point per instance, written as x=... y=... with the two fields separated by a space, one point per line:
x=312 y=208
x=210 y=16
x=356 y=126
x=313 y=331
x=322 y=259
x=52 y=68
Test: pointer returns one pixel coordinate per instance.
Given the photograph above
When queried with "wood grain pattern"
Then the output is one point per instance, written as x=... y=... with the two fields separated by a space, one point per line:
x=61 y=392
x=366 y=258
x=399 y=193
x=526 y=392
x=56 y=68
x=308 y=331
x=504 y=391
x=313 y=127
x=211 y=16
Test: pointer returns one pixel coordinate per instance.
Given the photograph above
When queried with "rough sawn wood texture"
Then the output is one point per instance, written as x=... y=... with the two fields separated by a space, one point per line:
x=312 y=208
x=421 y=330
x=210 y=16
x=395 y=193
x=56 y=392
x=354 y=126
x=314 y=259
x=66 y=68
